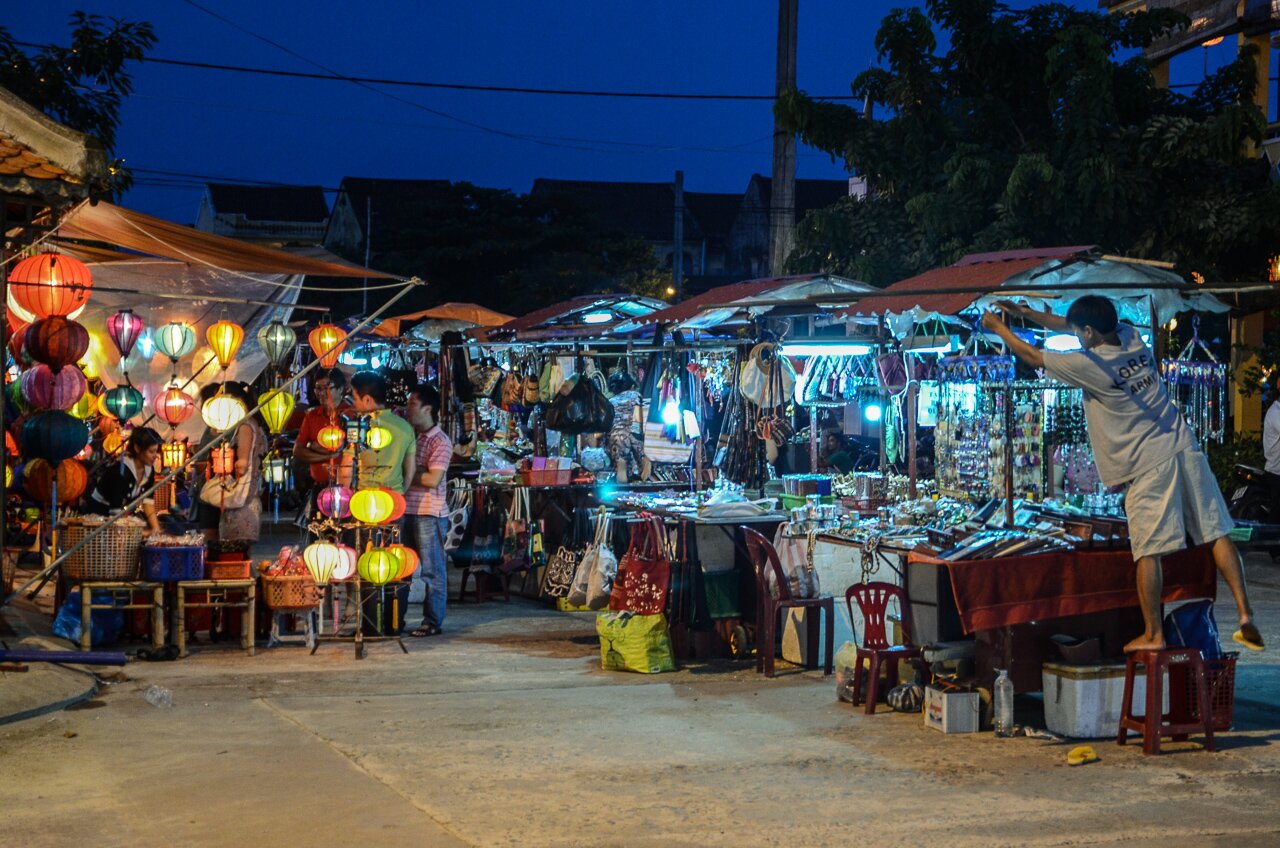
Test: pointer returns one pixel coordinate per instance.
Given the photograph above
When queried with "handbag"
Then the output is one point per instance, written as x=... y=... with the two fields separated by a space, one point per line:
x=557 y=580
x=530 y=387
x=400 y=375
x=481 y=545
x=512 y=391
x=644 y=573
x=459 y=504
x=657 y=446
x=795 y=554
x=767 y=379
x=230 y=492
x=631 y=642
x=604 y=567
x=516 y=534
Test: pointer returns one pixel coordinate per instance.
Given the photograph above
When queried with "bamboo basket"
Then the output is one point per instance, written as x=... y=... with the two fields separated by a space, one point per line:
x=110 y=556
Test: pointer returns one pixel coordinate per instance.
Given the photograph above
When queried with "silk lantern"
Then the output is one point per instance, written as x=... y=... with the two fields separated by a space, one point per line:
x=397 y=503
x=50 y=284
x=224 y=339
x=347 y=568
x=47 y=390
x=277 y=341
x=377 y=438
x=112 y=444
x=53 y=436
x=175 y=340
x=378 y=566
x=327 y=341
x=173 y=455
x=222 y=460
x=174 y=406
x=408 y=560
x=277 y=406
x=372 y=506
x=86 y=407
x=71 y=477
x=17 y=339
x=122 y=402
x=331 y=438
x=14 y=391
x=56 y=341
x=335 y=502
x=124 y=329
x=222 y=412
x=322 y=558
x=88 y=367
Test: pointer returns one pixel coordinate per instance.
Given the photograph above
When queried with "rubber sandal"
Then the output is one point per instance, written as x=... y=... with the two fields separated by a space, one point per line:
x=1249 y=637
x=1082 y=756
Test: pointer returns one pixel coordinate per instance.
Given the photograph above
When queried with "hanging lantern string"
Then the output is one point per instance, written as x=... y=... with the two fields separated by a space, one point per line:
x=217 y=440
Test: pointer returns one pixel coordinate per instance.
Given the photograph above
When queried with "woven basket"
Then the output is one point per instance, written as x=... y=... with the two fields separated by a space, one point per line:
x=111 y=555
x=290 y=591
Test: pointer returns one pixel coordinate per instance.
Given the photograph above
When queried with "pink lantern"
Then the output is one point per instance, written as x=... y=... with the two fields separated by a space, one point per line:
x=335 y=502
x=125 y=329
x=46 y=390
x=346 y=569
x=174 y=406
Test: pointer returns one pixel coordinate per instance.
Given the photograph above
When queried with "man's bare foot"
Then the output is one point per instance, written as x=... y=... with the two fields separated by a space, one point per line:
x=1249 y=636
x=1143 y=643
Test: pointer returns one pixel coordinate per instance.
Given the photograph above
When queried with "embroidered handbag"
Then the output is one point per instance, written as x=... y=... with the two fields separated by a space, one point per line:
x=644 y=574
x=557 y=580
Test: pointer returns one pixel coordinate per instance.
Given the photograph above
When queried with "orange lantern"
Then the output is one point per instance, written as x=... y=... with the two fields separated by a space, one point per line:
x=331 y=438
x=71 y=476
x=327 y=341
x=224 y=340
x=223 y=460
x=397 y=501
x=113 y=444
x=408 y=560
x=373 y=506
x=50 y=284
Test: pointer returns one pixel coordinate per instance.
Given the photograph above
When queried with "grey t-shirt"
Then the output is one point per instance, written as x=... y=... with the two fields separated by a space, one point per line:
x=1133 y=425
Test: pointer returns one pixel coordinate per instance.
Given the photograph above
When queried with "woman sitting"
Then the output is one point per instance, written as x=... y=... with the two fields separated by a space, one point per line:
x=126 y=478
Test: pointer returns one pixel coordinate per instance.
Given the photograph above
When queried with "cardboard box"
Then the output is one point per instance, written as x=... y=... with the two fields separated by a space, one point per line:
x=952 y=711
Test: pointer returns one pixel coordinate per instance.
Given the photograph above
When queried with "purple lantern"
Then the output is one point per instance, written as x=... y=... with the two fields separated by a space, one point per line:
x=335 y=502
x=125 y=329
x=46 y=390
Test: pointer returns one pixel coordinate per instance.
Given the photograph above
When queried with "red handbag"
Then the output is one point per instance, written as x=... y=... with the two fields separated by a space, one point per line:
x=644 y=573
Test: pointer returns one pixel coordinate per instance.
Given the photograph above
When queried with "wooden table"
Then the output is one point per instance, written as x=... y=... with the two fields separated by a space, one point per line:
x=219 y=592
x=116 y=588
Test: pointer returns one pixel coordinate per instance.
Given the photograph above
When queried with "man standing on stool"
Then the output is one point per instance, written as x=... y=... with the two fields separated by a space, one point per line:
x=1140 y=440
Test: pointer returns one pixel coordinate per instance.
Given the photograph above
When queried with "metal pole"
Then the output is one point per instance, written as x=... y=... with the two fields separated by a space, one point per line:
x=205 y=451
x=677 y=254
x=913 y=414
x=368 y=237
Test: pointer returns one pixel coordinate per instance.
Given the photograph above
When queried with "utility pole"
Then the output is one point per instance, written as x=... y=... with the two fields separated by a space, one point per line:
x=677 y=254
x=368 y=237
x=782 y=200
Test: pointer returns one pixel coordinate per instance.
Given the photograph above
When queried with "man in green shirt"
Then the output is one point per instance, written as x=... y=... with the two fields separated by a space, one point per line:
x=393 y=464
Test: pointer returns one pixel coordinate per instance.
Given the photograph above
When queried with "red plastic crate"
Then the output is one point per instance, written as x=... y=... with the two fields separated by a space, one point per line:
x=1221 y=676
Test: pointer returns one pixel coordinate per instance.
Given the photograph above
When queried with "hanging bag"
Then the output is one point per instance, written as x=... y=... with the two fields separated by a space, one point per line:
x=644 y=574
x=228 y=491
x=604 y=567
x=481 y=545
x=795 y=553
x=515 y=534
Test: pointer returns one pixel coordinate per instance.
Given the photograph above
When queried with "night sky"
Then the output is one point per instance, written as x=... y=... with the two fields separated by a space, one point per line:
x=214 y=124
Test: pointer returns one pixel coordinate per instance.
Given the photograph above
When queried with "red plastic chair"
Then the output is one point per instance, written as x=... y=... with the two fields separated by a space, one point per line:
x=764 y=558
x=873 y=600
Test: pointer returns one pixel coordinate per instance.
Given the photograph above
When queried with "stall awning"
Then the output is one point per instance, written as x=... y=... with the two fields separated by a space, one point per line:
x=134 y=231
x=463 y=314
x=588 y=315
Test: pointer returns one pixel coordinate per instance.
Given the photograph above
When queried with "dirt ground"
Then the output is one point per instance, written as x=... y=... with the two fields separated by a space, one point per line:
x=505 y=732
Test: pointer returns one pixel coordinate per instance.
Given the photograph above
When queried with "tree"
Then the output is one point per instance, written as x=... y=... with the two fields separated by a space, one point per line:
x=1035 y=128
x=510 y=252
x=84 y=85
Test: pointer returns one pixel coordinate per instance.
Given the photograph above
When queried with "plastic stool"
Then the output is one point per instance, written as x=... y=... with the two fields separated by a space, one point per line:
x=1153 y=723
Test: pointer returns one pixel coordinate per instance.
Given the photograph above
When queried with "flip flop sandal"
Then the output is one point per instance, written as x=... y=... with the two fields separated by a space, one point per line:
x=1082 y=756
x=1249 y=637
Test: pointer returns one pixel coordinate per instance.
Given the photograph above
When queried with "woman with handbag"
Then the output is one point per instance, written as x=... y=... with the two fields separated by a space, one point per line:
x=124 y=480
x=229 y=509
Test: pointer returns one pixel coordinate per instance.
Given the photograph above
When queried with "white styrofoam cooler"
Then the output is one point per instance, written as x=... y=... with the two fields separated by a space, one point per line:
x=1085 y=701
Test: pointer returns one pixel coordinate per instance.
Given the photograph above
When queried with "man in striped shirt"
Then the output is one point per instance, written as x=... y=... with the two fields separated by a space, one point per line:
x=426 y=512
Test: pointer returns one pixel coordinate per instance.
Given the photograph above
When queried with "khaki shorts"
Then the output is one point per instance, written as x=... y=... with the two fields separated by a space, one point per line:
x=1176 y=499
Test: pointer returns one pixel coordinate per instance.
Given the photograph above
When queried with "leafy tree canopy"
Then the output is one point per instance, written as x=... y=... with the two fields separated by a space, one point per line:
x=510 y=252
x=1036 y=128
x=83 y=85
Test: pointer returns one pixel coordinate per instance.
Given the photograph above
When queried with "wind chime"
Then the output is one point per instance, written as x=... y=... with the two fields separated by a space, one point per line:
x=1198 y=388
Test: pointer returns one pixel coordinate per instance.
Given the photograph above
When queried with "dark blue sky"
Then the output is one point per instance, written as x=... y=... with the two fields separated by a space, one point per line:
x=315 y=132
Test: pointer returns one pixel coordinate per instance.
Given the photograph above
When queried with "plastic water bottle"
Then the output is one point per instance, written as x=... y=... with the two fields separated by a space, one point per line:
x=158 y=696
x=1003 y=704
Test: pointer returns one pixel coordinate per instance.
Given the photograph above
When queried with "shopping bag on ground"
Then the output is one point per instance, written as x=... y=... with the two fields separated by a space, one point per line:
x=630 y=642
x=1193 y=626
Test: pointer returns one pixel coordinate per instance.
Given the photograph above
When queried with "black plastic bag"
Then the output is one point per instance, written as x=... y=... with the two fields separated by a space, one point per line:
x=583 y=409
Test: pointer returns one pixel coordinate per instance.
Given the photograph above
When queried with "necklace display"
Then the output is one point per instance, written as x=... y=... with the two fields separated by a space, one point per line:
x=1198 y=388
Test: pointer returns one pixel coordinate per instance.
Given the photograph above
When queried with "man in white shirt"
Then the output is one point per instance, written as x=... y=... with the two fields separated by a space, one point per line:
x=1271 y=448
x=1141 y=441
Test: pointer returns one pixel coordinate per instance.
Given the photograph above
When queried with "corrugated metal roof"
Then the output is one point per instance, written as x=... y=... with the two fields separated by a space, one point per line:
x=686 y=309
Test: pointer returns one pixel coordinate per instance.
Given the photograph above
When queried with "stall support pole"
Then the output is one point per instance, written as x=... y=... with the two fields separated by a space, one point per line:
x=913 y=393
x=813 y=440
x=1008 y=456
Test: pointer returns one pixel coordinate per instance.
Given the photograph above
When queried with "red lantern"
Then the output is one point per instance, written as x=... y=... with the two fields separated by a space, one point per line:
x=223 y=460
x=17 y=338
x=47 y=390
x=56 y=341
x=174 y=406
x=397 y=499
x=72 y=479
x=50 y=284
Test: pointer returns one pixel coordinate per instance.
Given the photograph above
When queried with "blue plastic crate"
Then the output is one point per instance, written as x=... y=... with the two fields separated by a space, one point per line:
x=167 y=564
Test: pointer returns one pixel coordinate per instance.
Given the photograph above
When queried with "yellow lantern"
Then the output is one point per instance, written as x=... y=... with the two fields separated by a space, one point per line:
x=86 y=406
x=173 y=455
x=378 y=437
x=222 y=412
x=322 y=558
x=202 y=362
x=113 y=444
x=331 y=437
x=372 y=506
x=327 y=342
x=277 y=406
x=100 y=408
x=90 y=368
x=224 y=339
x=378 y=566
x=8 y=475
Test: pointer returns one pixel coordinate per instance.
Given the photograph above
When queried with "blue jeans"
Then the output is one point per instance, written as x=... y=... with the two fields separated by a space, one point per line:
x=426 y=533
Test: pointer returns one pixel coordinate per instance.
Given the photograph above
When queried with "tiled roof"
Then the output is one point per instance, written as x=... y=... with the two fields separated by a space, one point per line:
x=686 y=309
x=270 y=203
x=39 y=156
x=715 y=213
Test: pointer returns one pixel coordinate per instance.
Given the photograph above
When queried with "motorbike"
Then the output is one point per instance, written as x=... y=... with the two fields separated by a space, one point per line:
x=1252 y=499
